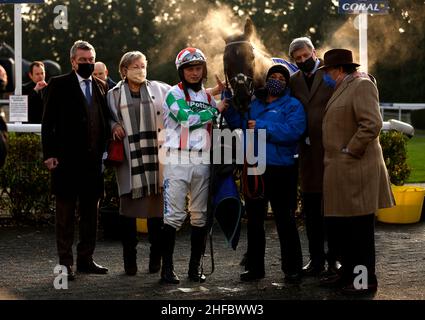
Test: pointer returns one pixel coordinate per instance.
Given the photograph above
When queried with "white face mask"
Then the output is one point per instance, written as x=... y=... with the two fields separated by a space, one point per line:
x=136 y=75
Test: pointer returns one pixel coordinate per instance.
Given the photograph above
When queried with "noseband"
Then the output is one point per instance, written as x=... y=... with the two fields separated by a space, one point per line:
x=240 y=80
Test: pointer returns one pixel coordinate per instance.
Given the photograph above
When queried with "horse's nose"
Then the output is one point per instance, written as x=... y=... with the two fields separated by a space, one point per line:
x=241 y=78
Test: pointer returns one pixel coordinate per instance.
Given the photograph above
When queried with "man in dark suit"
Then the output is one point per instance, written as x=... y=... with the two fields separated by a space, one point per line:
x=75 y=129
x=308 y=86
x=101 y=72
x=35 y=90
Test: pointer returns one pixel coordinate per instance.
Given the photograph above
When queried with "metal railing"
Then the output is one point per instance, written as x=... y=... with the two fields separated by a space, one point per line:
x=400 y=107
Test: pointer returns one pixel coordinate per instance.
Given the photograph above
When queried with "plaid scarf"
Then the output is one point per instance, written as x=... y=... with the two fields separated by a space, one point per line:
x=142 y=138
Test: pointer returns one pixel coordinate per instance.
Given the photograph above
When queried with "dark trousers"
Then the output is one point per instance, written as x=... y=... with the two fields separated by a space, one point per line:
x=154 y=235
x=66 y=207
x=129 y=234
x=355 y=240
x=281 y=190
x=313 y=212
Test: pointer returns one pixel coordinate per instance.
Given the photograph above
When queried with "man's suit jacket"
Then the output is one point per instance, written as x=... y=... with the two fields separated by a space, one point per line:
x=314 y=102
x=67 y=134
x=355 y=183
x=35 y=102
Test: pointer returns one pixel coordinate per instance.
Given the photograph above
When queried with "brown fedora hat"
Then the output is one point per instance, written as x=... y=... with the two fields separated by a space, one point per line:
x=338 y=57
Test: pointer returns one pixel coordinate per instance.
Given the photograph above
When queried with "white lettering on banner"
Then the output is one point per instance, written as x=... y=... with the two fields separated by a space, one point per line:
x=360 y=7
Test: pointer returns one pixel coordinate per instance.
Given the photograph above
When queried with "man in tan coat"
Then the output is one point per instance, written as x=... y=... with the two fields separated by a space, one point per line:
x=356 y=182
x=307 y=85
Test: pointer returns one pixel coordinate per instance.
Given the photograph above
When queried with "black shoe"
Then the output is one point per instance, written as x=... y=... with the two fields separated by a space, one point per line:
x=130 y=271
x=331 y=280
x=312 y=269
x=91 y=267
x=252 y=276
x=351 y=290
x=294 y=278
x=196 y=276
x=130 y=266
x=154 y=263
x=130 y=260
x=169 y=276
x=70 y=273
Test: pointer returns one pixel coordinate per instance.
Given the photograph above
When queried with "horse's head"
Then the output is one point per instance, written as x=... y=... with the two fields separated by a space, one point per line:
x=238 y=63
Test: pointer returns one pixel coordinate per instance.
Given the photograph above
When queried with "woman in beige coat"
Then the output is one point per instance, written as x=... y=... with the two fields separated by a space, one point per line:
x=135 y=105
x=356 y=182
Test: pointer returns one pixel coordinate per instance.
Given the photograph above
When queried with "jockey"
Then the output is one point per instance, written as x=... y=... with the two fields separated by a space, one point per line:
x=189 y=111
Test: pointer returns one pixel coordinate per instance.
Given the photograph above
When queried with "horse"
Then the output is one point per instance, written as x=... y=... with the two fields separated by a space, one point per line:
x=239 y=66
x=242 y=79
x=240 y=69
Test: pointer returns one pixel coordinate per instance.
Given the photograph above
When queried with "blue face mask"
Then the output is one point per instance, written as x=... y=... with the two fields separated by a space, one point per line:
x=329 y=81
x=275 y=87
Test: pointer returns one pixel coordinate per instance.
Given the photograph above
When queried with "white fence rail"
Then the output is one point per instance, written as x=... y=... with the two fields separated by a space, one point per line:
x=401 y=107
x=24 y=127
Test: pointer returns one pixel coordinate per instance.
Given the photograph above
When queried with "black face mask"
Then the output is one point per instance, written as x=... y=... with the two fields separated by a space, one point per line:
x=85 y=69
x=308 y=65
x=2 y=85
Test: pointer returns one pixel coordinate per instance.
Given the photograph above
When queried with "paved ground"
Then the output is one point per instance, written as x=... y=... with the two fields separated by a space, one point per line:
x=28 y=257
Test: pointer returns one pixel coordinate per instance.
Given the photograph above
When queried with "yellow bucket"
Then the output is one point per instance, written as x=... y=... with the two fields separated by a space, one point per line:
x=408 y=209
x=142 y=225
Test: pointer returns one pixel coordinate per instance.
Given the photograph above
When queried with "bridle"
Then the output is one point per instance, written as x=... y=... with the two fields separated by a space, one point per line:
x=240 y=80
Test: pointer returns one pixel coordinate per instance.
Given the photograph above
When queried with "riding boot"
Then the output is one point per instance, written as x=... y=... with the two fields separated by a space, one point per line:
x=129 y=242
x=168 y=241
x=154 y=237
x=198 y=242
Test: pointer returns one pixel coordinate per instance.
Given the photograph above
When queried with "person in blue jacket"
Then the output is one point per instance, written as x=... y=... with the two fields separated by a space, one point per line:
x=283 y=119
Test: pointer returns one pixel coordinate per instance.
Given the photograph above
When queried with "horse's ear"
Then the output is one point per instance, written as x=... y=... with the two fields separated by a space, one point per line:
x=249 y=28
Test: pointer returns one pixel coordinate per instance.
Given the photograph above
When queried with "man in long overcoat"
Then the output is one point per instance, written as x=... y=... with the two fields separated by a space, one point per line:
x=356 y=182
x=74 y=134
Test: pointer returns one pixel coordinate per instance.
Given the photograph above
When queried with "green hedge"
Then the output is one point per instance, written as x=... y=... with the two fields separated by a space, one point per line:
x=394 y=148
x=24 y=180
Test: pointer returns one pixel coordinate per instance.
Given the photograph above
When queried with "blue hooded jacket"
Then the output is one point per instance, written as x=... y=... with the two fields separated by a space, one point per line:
x=284 y=120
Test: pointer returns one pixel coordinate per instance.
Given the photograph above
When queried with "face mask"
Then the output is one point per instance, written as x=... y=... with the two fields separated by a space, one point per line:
x=136 y=75
x=308 y=65
x=85 y=69
x=275 y=87
x=2 y=85
x=329 y=81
